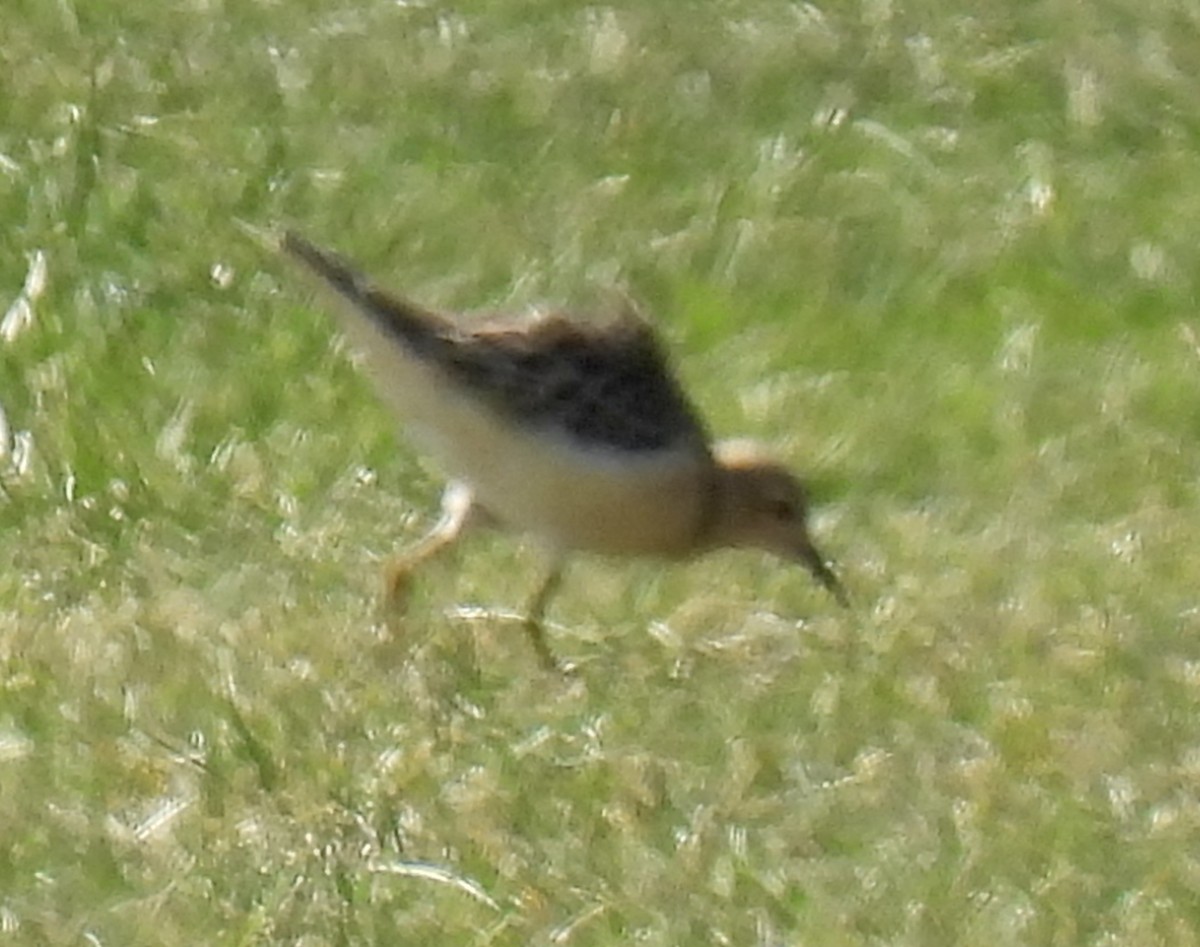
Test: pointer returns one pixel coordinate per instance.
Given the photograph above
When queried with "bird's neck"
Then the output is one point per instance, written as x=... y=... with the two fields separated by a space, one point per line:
x=718 y=520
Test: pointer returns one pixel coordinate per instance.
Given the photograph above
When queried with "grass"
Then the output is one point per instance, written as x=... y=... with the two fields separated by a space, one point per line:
x=944 y=258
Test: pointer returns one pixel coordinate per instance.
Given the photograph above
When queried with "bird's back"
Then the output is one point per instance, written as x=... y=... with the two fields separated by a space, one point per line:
x=604 y=384
x=575 y=431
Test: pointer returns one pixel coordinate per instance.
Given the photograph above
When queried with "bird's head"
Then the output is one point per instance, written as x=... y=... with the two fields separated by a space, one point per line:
x=762 y=505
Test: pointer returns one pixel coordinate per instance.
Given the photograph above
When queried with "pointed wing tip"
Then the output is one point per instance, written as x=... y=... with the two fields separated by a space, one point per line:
x=291 y=243
x=268 y=238
x=324 y=263
x=278 y=238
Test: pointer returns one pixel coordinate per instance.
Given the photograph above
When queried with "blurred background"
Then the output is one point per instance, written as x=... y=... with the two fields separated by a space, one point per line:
x=943 y=259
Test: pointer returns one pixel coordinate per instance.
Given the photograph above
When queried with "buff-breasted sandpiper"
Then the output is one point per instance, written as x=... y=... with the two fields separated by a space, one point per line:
x=575 y=433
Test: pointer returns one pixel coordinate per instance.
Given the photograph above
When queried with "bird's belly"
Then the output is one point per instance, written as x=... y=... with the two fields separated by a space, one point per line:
x=568 y=496
x=563 y=493
x=572 y=499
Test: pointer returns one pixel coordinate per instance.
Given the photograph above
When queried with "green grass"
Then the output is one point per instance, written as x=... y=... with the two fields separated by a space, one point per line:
x=945 y=259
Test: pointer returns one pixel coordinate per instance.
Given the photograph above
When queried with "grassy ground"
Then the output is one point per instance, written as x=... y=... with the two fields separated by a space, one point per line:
x=945 y=260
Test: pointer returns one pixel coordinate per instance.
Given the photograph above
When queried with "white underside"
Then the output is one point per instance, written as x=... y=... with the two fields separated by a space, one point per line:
x=565 y=494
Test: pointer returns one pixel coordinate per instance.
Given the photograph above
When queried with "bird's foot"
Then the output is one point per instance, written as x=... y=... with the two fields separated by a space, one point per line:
x=398 y=583
x=546 y=657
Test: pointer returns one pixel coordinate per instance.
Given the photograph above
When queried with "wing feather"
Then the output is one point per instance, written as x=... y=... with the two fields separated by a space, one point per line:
x=608 y=385
x=599 y=384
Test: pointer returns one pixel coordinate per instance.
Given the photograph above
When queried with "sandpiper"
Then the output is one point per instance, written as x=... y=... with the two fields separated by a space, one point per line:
x=576 y=433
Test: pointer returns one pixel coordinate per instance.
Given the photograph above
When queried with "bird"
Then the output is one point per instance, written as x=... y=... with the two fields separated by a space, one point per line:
x=574 y=432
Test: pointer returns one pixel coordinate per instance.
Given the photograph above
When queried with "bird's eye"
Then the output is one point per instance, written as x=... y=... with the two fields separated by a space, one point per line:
x=781 y=508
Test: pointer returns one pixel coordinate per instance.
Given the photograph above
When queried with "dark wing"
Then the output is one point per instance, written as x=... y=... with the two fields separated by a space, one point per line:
x=420 y=329
x=605 y=385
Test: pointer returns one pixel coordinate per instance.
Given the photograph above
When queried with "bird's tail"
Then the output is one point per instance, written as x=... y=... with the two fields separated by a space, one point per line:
x=416 y=327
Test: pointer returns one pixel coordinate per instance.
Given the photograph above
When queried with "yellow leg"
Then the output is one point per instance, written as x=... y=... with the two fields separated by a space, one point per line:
x=457 y=507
